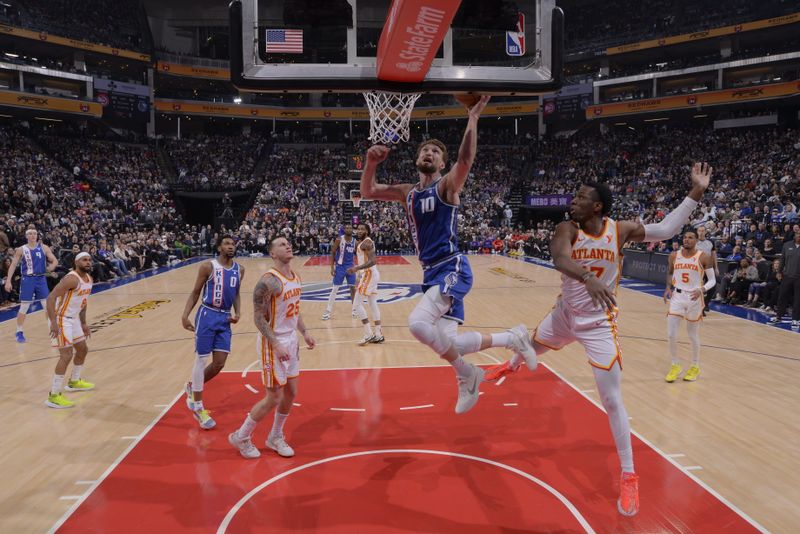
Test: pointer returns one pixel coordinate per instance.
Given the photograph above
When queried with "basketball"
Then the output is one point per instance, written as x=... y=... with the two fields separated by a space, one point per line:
x=468 y=100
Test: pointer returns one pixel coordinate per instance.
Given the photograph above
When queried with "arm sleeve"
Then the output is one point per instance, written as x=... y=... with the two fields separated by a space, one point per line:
x=672 y=223
x=712 y=279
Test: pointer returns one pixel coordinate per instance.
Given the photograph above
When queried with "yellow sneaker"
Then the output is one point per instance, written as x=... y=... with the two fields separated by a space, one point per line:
x=692 y=373
x=58 y=401
x=204 y=419
x=79 y=385
x=674 y=371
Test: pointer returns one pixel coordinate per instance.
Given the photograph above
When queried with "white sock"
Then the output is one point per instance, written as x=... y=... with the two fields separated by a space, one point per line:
x=378 y=331
x=626 y=460
x=462 y=368
x=332 y=298
x=58 y=383
x=367 y=331
x=19 y=328
x=76 y=372
x=501 y=340
x=277 y=425
x=246 y=430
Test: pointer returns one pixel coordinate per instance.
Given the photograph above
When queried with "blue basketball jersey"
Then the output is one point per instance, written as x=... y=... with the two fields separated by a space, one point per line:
x=433 y=223
x=34 y=261
x=346 y=254
x=221 y=287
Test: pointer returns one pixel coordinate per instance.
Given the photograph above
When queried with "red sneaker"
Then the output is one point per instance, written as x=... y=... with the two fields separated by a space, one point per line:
x=496 y=372
x=628 y=503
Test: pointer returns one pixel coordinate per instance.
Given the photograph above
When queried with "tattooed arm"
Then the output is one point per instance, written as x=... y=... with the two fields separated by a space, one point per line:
x=267 y=288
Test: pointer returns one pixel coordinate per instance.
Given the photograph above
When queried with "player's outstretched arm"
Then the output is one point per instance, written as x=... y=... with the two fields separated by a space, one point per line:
x=561 y=249
x=66 y=283
x=202 y=275
x=370 y=188
x=454 y=181
x=674 y=221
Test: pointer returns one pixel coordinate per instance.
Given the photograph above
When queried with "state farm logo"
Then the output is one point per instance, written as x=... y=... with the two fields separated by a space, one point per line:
x=165 y=67
x=692 y=100
x=42 y=36
x=253 y=112
x=419 y=38
x=662 y=42
x=598 y=111
x=326 y=114
x=176 y=107
x=737 y=28
x=411 y=66
x=114 y=52
x=84 y=107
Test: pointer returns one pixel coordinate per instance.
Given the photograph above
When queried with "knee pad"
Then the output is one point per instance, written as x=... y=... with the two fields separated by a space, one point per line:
x=427 y=334
x=198 y=371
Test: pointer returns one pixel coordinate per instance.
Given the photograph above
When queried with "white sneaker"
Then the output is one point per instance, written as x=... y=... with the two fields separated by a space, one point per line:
x=468 y=390
x=279 y=445
x=245 y=446
x=327 y=315
x=366 y=339
x=521 y=344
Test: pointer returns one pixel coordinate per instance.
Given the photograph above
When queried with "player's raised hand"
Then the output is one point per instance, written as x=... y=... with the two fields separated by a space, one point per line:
x=377 y=153
x=480 y=105
x=701 y=175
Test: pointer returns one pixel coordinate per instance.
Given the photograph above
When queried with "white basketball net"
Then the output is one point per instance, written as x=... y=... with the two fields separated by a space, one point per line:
x=390 y=116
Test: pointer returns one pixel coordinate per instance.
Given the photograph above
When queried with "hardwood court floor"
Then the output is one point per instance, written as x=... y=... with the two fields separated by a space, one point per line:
x=739 y=422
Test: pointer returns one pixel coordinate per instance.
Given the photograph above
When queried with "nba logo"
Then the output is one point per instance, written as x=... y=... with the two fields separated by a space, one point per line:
x=515 y=41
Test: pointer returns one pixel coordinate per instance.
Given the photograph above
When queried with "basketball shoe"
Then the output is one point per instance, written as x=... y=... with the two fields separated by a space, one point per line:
x=674 y=372
x=366 y=340
x=204 y=419
x=20 y=337
x=58 y=401
x=468 y=389
x=628 y=502
x=521 y=344
x=245 y=446
x=279 y=445
x=79 y=385
x=692 y=373
x=496 y=372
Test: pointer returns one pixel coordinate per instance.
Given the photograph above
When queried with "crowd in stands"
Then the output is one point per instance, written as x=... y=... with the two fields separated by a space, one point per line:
x=110 y=22
x=89 y=193
x=215 y=162
x=595 y=25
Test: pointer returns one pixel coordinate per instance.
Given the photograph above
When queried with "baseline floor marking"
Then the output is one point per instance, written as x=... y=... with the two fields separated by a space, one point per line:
x=689 y=474
x=113 y=466
x=416 y=407
x=567 y=504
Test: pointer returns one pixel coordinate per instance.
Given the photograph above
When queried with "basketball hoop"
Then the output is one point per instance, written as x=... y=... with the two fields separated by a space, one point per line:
x=390 y=116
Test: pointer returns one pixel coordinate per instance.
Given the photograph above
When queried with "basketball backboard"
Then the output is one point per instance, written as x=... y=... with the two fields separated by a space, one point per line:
x=331 y=46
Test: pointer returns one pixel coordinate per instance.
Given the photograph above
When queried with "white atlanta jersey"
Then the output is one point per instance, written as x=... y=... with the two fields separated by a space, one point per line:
x=596 y=253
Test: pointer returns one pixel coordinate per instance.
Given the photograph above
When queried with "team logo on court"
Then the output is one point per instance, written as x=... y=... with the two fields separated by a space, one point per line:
x=388 y=292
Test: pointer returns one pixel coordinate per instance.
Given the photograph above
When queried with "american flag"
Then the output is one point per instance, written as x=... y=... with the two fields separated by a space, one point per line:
x=285 y=41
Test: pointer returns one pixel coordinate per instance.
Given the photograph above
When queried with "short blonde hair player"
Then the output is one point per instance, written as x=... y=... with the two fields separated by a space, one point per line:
x=66 y=312
x=276 y=302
